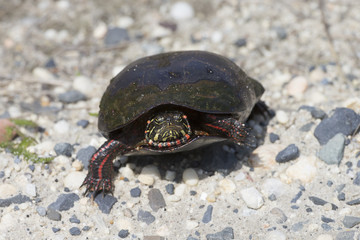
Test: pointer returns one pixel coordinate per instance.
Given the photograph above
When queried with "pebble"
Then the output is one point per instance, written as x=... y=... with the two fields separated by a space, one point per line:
x=5 y=124
x=71 y=96
x=227 y=185
x=145 y=216
x=127 y=172
x=291 y=152
x=54 y=215
x=341 y=196
x=84 y=85
x=30 y=190
x=326 y=226
x=180 y=190
x=276 y=235
x=324 y=237
x=326 y=219
x=170 y=188
x=64 y=202
x=190 y=177
x=347 y=235
x=115 y=36
x=55 y=230
x=343 y=120
x=282 y=117
x=7 y=190
x=356 y=180
x=304 y=169
x=61 y=127
x=156 y=199
x=226 y=234
x=297 y=86
x=85 y=154
x=181 y=11
x=82 y=123
x=273 y=186
x=353 y=202
x=41 y=211
x=351 y=221
x=77 y=165
x=208 y=214
x=74 y=179
x=74 y=219
x=279 y=215
x=241 y=42
x=170 y=175
x=333 y=151
x=321 y=202
x=273 y=137
x=31 y=167
x=99 y=30
x=43 y=74
x=18 y=199
x=105 y=203
x=2 y=174
x=281 y=33
x=75 y=231
x=135 y=192
x=148 y=175
x=317 y=113
x=123 y=233
x=252 y=198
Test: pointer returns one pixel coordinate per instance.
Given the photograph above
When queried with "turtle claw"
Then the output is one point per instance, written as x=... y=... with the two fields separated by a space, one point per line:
x=94 y=186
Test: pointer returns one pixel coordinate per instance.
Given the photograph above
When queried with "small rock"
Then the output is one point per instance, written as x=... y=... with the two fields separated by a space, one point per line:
x=350 y=221
x=304 y=169
x=318 y=113
x=343 y=120
x=181 y=11
x=227 y=185
x=74 y=219
x=61 y=127
x=55 y=230
x=252 y=197
x=326 y=219
x=297 y=197
x=30 y=190
x=241 y=42
x=226 y=234
x=170 y=175
x=41 y=211
x=297 y=226
x=145 y=216
x=31 y=167
x=208 y=214
x=291 y=152
x=282 y=117
x=273 y=137
x=84 y=155
x=156 y=199
x=18 y=199
x=281 y=33
x=82 y=123
x=275 y=235
x=348 y=235
x=357 y=179
x=75 y=231
x=123 y=233
x=321 y=202
x=148 y=175
x=341 y=196
x=54 y=215
x=170 y=188
x=105 y=203
x=353 y=202
x=180 y=190
x=86 y=228
x=333 y=151
x=84 y=85
x=190 y=177
x=273 y=186
x=77 y=165
x=100 y=30
x=326 y=226
x=135 y=192
x=64 y=202
x=297 y=86
x=279 y=215
x=71 y=96
x=74 y=180
x=115 y=36
x=43 y=74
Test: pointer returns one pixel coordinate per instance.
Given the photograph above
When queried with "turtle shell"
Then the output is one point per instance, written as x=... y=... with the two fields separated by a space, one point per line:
x=198 y=80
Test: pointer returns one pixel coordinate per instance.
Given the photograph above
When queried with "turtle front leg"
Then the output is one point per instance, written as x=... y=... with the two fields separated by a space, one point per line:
x=229 y=128
x=101 y=171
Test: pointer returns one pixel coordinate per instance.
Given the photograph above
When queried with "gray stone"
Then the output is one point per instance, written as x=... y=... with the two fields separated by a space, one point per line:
x=357 y=179
x=82 y=123
x=353 y=202
x=75 y=231
x=341 y=196
x=297 y=226
x=321 y=202
x=41 y=211
x=2 y=174
x=226 y=234
x=273 y=137
x=54 y=215
x=105 y=203
x=326 y=226
x=55 y=230
x=135 y=192
x=347 y=235
x=350 y=221
x=74 y=219
x=170 y=188
x=343 y=120
x=333 y=151
x=307 y=127
x=318 y=113
x=64 y=202
x=123 y=233
x=208 y=214
x=84 y=155
x=72 y=96
x=281 y=33
x=115 y=36
x=145 y=216
x=65 y=149
x=18 y=199
x=279 y=215
x=156 y=199
x=32 y=167
x=241 y=42
x=326 y=219
x=291 y=152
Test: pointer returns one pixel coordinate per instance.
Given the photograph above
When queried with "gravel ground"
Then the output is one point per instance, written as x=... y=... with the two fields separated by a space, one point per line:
x=303 y=180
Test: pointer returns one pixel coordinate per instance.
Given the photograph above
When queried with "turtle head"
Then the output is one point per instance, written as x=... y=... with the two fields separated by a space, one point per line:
x=167 y=129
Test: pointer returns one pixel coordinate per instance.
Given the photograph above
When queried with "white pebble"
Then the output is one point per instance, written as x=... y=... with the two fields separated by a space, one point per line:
x=252 y=197
x=148 y=175
x=190 y=224
x=181 y=11
x=30 y=190
x=7 y=190
x=240 y=176
x=227 y=185
x=43 y=148
x=273 y=186
x=170 y=175
x=173 y=198
x=180 y=190
x=217 y=37
x=62 y=127
x=276 y=235
x=43 y=74
x=127 y=172
x=190 y=177
x=324 y=237
x=84 y=85
x=62 y=4
x=100 y=30
x=124 y=22
x=282 y=117
x=316 y=75
x=77 y=165
x=304 y=169
x=74 y=179
x=297 y=86
x=14 y=111
x=345 y=211
x=50 y=34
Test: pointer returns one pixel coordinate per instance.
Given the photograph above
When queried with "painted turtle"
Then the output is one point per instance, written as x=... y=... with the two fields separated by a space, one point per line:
x=171 y=102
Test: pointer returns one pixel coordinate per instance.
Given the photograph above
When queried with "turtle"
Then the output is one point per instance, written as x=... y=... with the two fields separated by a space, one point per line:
x=171 y=102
